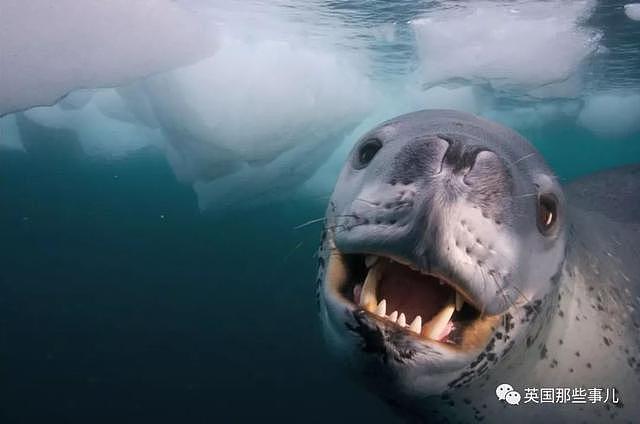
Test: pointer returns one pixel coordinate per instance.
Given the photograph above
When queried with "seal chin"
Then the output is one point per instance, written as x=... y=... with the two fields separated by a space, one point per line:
x=400 y=298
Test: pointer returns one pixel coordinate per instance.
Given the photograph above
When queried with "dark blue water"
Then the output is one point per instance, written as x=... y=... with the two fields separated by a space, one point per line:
x=120 y=302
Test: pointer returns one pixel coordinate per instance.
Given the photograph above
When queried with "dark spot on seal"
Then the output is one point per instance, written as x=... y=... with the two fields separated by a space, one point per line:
x=543 y=352
x=462 y=379
x=508 y=322
x=490 y=345
x=483 y=368
x=477 y=360
x=531 y=311
x=606 y=341
x=588 y=364
x=372 y=337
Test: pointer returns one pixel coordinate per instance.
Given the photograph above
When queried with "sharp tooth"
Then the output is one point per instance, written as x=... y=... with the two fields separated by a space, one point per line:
x=416 y=325
x=459 y=301
x=438 y=323
x=382 y=308
x=370 y=260
x=394 y=316
x=368 y=293
x=402 y=320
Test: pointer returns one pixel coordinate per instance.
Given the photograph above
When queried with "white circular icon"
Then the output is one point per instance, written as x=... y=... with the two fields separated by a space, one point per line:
x=512 y=398
x=502 y=390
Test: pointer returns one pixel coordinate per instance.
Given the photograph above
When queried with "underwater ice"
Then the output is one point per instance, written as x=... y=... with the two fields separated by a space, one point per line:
x=611 y=115
x=532 y=46
x=633 y=11
x=51 y=47
x=278 y=105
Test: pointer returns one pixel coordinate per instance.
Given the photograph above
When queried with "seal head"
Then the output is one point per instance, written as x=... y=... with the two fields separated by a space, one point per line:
x=442 y=228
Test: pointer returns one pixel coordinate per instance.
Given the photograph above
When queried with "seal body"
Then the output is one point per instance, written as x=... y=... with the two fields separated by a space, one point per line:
x=453 y=262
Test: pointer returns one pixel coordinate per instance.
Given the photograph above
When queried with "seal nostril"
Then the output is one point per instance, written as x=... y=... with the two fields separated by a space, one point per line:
x=460 y=157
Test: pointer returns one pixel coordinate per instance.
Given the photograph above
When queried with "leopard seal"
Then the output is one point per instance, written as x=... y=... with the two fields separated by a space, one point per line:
x=454 y=265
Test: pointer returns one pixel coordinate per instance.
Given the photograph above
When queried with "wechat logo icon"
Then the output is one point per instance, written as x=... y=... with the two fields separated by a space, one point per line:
x=506 y=393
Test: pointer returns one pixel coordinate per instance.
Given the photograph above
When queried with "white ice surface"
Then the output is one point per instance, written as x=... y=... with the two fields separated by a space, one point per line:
x=509 y=45
x=632 y=10
x=51 y=47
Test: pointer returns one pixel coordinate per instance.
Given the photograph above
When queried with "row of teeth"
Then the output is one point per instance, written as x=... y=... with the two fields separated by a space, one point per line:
x=434 y=329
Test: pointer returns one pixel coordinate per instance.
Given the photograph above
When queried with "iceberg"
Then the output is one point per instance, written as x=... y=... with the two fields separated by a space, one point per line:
x=49 y=48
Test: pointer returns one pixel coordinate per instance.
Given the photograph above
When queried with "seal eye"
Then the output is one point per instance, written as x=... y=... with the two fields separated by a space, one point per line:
x=547 y=213
x=366 y=152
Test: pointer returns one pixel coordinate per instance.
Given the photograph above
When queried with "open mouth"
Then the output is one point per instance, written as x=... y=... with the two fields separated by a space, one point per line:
x=405 y=299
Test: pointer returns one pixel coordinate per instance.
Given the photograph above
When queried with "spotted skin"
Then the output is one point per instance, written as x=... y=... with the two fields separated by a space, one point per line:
x=448 y=191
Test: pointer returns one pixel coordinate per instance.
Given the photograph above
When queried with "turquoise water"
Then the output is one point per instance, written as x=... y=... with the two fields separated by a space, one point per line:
x=122 y=303
x=155 y=272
